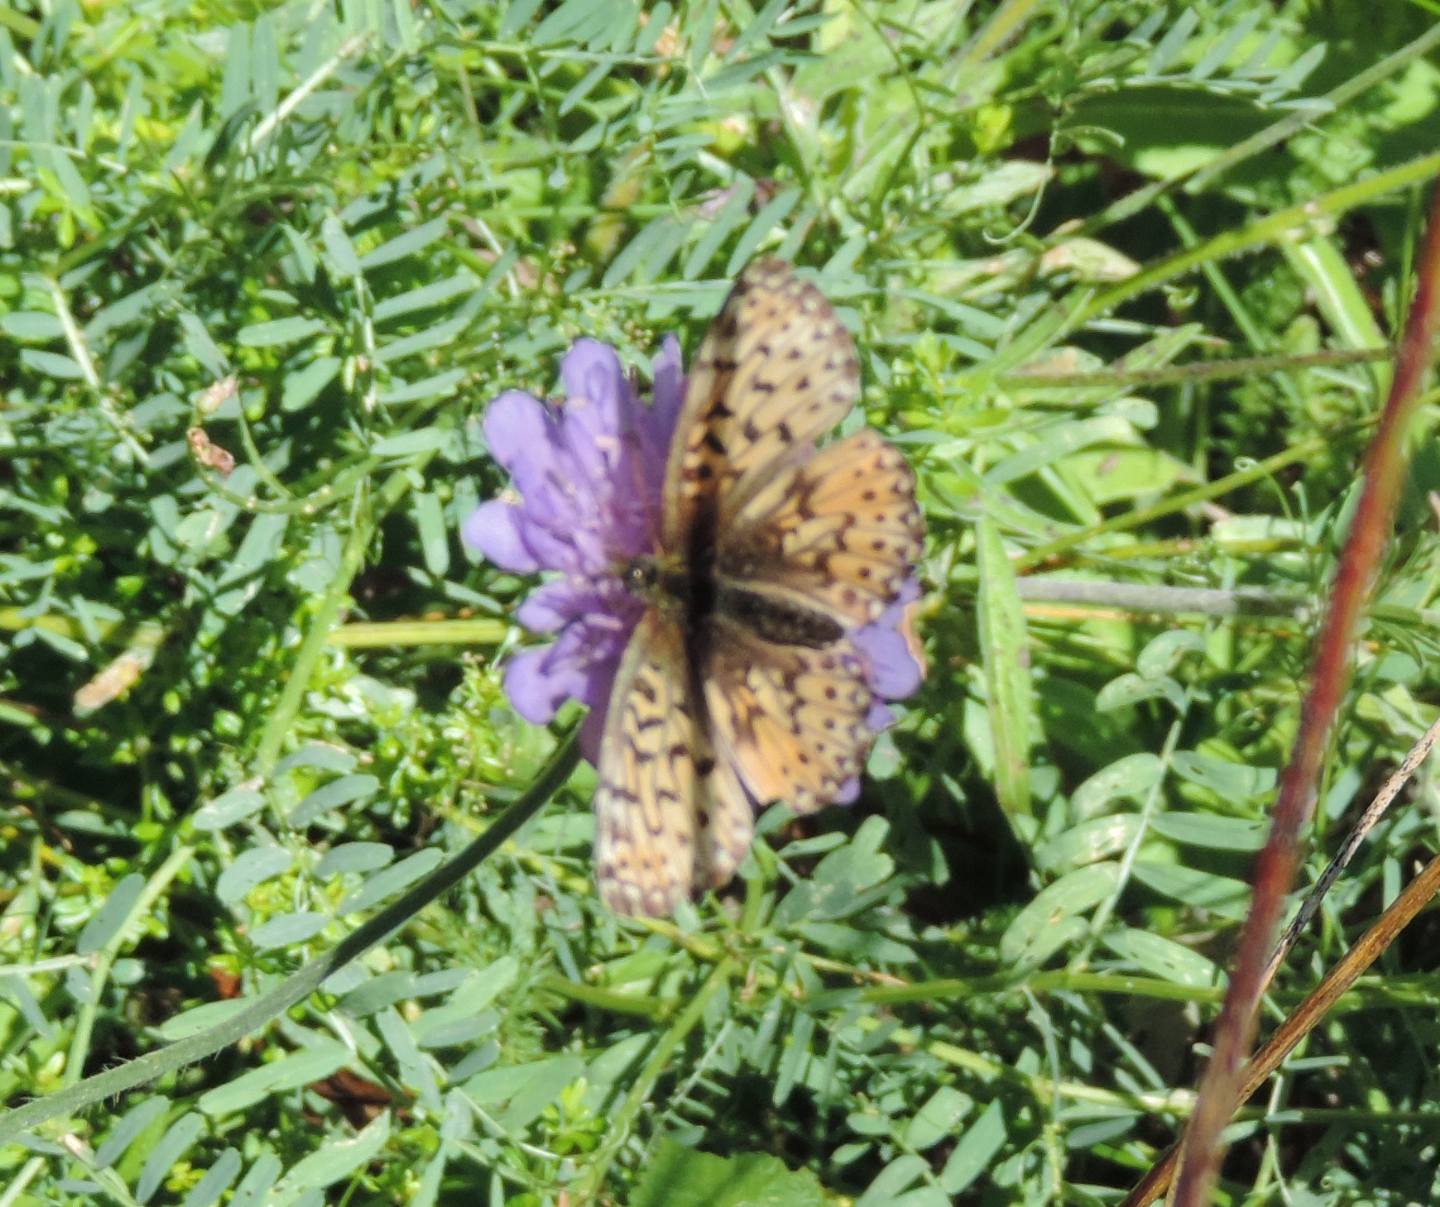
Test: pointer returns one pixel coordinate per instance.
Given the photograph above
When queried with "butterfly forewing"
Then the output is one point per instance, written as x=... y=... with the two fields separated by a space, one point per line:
x=668 y=818
x=775 y=371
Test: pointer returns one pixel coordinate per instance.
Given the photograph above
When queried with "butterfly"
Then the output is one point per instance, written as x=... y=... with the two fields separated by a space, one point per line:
x=742 y=683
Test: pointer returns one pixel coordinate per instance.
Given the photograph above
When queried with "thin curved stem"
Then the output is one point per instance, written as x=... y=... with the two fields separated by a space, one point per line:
x=304 y=981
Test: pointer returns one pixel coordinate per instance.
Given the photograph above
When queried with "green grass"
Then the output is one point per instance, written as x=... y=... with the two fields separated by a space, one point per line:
x=241 y=715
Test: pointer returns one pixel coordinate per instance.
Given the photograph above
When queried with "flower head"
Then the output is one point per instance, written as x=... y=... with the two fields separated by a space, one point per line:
x=588 y=476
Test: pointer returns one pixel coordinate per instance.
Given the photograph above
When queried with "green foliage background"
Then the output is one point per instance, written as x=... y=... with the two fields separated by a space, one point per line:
x=324 y=235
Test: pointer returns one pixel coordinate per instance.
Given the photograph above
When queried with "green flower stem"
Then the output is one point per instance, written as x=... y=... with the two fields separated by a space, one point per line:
x=80 y=353
x=327 y=613
x=609 y=1000
x=1296 y=120
x=393 y=633
x=104 y=960
x=1236 y=368
x=1299 y=118
x=305 y=980
x=1260 y=470
x=361 y=634
x=310 y=503
x=1294 y=222
x=1039 y=982
x=587 y=1186
x=18 y=1182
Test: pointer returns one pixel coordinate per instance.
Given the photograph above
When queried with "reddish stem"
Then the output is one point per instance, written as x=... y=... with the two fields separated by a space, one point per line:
x=1276 y=865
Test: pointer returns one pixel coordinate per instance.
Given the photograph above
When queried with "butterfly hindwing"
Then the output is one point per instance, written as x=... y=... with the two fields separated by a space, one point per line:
x=791 y=719
x=775 y=371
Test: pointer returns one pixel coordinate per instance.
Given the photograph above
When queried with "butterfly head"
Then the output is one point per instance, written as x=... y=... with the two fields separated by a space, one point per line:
x=657 y=581
x=641 y=576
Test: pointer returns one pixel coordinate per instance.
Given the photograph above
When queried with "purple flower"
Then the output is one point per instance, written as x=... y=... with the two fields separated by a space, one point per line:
x=588 y=476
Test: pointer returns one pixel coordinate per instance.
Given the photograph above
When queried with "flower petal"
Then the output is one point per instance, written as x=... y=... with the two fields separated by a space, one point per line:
x=894 y=659
x=598 y=401
x=881 y=716
x=497 y=529
x=560 y=473
x=657 y=424
x=592 y=371
x=535 y=685
x=890 y=665
x=592 y=735
x=555 y=604
x=523 y=435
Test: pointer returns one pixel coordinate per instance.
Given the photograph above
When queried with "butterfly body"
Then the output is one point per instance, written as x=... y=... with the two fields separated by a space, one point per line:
x=742 y=683
x=694 y=598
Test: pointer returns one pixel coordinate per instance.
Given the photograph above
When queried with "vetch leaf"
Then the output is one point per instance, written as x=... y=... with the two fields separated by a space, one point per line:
x=228 y=808
x=303 y=385
x=520 y=1092
x=254 y=1189
x=391 y=881
x=285 y=929
x=434 y=533
x=416 y=1072
x=1163 y=958
x=320 y=755
x=1215 y=833
x=1199 y=890
x=51 y=364
x=37 y=325
x=1073 y=894
x=679 y=1176
x=217 y=1179
x=389 y=988
x=1127 y=690
x=1162 y=653
x=937 y=1118
x=111 y=916
x=416 y=239
x=338 y=247
x=289 y=1072
x=173 y=1145
x=279 y=331
x=1130 y=778
x=902 y=1173
x=409 y=444
x=136 y=1120
x=1089 y=841
x=199 y=1018
x=975 y=1151
x=338 y=1159
x=341 y=791
x=1007 y=669
x=249 y=869
x=1233 y=783
x=354 y=857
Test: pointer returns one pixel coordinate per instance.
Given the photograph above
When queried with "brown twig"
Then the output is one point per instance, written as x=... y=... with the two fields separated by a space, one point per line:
x=1315 y=1007
x=1374 y=811
x=1276 y=864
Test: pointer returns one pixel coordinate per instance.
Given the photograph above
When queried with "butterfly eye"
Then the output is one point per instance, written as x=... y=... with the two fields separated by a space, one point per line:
x=640 y=577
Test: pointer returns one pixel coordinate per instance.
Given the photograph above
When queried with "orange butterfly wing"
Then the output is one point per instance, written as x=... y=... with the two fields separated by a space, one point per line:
x=802 y=546
x=775 y=371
